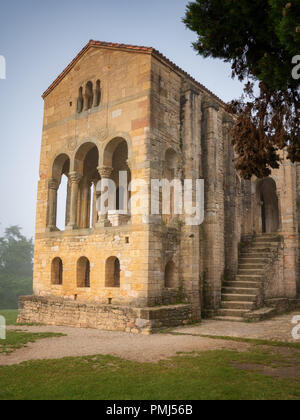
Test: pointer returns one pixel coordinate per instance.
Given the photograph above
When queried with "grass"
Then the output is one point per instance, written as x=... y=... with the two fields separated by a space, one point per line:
x=207 y=375
x=210 y=375
x=18 y=339
x=255 y=342
x=10 y=315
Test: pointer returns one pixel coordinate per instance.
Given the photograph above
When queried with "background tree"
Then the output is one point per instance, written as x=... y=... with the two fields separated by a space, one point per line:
x=259 y=38
x=16 y=254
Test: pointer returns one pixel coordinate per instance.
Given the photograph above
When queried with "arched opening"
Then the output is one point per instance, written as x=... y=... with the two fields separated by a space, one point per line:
x=86 y=164
x=112 y=272
x=83 y=272
x=59 y=194
x=269 y=213
x=170 y=276
x=97 y=98
x=57 y=272
x=80 y=100
x=88 y=96
x=116 y=157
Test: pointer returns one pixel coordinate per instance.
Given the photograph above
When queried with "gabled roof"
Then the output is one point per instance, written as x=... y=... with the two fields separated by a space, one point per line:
x=131 y=48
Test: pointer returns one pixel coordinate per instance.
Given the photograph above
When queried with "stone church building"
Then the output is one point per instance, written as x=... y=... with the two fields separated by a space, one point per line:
x=127 y=108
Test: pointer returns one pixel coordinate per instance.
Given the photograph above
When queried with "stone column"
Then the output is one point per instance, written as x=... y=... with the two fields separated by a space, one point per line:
x=53 y=186
x=85 y=204
x=75 y=179
x=94 y=203
x=105 y=173
x=190 y=235
x=214 y=209
x=68 y=203
x=231 y=199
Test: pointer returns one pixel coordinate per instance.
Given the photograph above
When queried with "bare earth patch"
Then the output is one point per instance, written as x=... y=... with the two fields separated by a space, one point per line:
x=291 y=372
x=86 y=342
x=276 y=329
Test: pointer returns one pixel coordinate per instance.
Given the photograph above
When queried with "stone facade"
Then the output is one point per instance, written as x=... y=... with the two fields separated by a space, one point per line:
x=124 y=108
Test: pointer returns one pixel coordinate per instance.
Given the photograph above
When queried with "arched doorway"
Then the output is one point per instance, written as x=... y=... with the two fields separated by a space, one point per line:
x=267 y=195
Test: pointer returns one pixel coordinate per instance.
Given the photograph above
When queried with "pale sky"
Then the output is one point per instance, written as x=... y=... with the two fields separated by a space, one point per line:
x=38 y=40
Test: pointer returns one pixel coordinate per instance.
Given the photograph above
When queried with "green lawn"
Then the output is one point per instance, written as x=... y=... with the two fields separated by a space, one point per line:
x=10 y=315
x=17 y=339
x=197 y=376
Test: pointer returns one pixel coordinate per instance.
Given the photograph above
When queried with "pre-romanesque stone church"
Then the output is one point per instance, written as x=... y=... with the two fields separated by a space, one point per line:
x=126 y=108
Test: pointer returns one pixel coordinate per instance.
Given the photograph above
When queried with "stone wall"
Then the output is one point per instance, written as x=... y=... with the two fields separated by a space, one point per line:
x=64 y=312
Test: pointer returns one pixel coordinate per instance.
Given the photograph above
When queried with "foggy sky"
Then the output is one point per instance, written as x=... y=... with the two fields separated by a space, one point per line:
x=38 y=40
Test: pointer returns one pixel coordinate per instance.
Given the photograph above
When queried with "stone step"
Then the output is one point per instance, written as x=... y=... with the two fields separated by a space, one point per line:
x=235 y=297
x=229 y=319
x=252 y=266
x=240 y=291
x=250 y=272
x=253 y=254
x=265 y=245
x=237 y=305
x=236 y=313
x=254 y=260
x=243 y=284
x=273 y=239
x=245 y=277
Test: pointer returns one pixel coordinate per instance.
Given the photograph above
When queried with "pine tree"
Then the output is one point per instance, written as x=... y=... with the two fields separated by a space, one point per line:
x=259 y=38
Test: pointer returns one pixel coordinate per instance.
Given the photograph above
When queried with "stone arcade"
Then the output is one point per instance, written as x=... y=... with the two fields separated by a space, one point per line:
x=126 y=108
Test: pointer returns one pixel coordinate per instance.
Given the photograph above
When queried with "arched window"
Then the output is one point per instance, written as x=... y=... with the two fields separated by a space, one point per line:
x=88 y=96
x=83 y=272
x=170 y=276
x=80 y=100
x=57 y=272
x=112 y=272
x=97 y=95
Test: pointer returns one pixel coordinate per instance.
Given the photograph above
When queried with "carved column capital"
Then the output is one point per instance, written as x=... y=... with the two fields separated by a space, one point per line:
x=75 y=177
x=53 y=184
x=105 y=171
x=210 y=103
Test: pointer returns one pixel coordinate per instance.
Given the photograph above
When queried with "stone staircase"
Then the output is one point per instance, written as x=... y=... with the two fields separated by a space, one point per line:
x=243 y=295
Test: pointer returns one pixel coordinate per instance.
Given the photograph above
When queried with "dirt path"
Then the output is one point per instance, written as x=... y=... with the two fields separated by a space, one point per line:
x=84 y=342
x=278 y=329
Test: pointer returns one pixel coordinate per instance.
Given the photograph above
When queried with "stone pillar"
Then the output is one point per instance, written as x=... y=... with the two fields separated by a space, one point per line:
x=53 y=186
x=214 y=209
x=231 y=202
x=288 y=194
x=75 y=179
x=94 y=203
x=105 y=173
x=190 y=235
x=85 y=204
x=68 y=203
